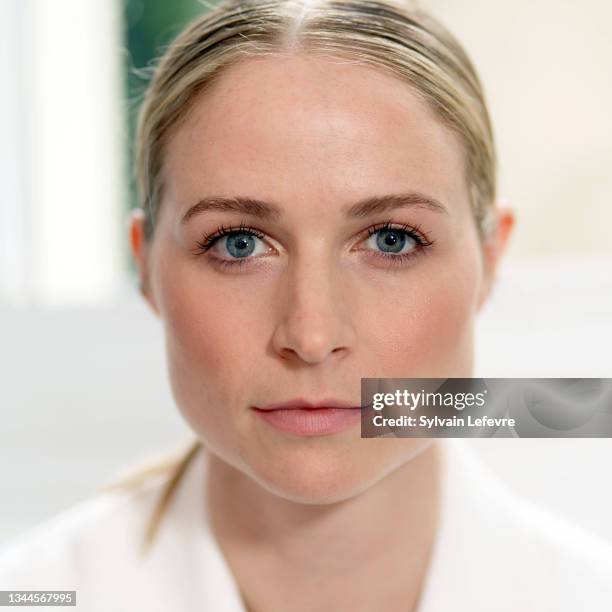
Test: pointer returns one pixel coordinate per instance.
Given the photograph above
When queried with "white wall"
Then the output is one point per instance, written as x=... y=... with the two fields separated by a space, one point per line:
x=62 y=151
x=546 y=67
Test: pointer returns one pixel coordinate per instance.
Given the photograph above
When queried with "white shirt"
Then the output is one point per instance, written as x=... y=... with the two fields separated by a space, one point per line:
x=494 y=552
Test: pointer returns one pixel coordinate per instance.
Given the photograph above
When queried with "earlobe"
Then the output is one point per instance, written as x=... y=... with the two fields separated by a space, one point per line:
x=139 y=250
x=494 y=247
x=136 y=235
x=505 y=225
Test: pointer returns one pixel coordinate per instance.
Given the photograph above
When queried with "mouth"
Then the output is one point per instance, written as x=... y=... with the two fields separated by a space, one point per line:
x=300 y=403
x=305 y=418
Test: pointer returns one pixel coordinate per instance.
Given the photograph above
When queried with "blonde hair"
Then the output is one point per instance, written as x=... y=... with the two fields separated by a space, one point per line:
x=170 y=468
x=394 y=36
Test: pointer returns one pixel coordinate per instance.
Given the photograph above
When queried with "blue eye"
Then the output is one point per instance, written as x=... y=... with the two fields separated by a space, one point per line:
x=240 y=245
x=396 y=245
x=393 y=240
x=234 y=246
x=231 y=247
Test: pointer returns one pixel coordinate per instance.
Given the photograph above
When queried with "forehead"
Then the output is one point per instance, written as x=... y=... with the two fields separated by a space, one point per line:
x=286 y=126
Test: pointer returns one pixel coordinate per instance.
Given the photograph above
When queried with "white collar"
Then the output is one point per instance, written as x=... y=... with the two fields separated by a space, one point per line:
x=486 y=549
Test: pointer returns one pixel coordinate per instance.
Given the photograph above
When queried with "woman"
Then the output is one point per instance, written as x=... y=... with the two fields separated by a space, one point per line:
x=318 y=206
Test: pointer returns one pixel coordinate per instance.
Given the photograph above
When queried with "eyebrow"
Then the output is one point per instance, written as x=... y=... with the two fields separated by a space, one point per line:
x=270 y=211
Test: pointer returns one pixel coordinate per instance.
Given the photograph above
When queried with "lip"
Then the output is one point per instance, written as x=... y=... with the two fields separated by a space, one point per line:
x=300 y=403
x=304 y=418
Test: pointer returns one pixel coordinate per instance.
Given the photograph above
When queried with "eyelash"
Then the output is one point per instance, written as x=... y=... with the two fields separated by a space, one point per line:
x=209 y=240
x=413 y=232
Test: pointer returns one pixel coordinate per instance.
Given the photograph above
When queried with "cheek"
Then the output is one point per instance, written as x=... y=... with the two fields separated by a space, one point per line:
x=206 y=331
x=211 y=337
x=426 y=328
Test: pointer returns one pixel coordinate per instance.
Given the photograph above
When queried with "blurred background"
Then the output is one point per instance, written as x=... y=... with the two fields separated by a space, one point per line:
x=82 y=370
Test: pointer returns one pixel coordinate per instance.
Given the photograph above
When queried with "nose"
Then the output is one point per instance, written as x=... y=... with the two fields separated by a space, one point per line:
x=314 y=314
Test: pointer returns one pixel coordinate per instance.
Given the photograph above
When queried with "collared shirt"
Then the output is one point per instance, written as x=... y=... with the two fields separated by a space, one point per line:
x=494 y=551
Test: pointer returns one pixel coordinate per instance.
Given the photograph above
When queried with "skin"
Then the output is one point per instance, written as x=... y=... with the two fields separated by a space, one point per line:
x=313 y=310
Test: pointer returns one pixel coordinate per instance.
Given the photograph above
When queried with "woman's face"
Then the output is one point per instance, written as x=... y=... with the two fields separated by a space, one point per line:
x=311 y=303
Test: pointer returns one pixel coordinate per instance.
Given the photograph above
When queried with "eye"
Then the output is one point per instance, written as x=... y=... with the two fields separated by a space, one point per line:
x=392 y=240
x=239 y=244
x=232 y=246
x=236 y=246
x=396 y=244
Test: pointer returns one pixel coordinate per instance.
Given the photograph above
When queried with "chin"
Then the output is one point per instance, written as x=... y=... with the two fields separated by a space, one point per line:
x=316 y=475
x=315 y=488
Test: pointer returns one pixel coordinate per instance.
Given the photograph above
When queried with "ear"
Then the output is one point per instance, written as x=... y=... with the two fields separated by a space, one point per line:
x=140 y=247
x=494 y=246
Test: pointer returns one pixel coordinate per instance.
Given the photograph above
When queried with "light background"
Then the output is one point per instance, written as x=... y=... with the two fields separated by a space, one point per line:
x=82 y=371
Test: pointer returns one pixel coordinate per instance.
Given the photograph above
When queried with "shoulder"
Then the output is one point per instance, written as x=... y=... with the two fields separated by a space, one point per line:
x=555 y=560
x=96 y=547
x=99 y=538
x=105 y=528
x=504 y=545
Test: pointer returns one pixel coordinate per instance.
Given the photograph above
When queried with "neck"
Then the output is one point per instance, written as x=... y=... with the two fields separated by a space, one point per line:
x=277 y=549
